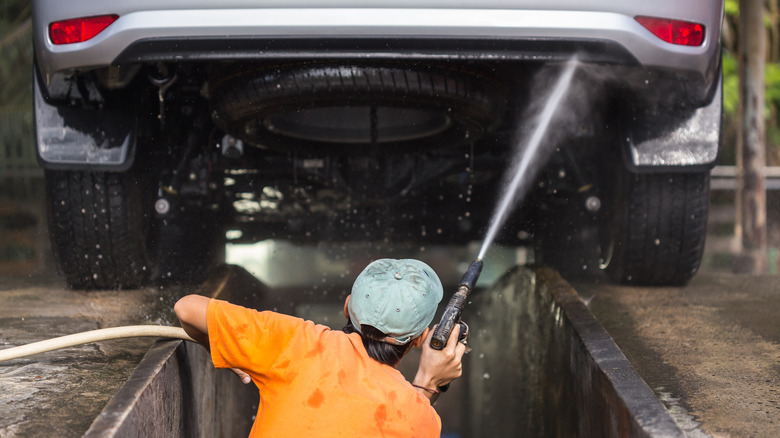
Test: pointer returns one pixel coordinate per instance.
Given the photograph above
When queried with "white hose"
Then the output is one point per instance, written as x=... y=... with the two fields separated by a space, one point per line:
x=130 y=331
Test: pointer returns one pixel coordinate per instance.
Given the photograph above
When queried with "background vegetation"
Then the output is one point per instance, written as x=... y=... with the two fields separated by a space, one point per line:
x=731 y=81
x=18 y=166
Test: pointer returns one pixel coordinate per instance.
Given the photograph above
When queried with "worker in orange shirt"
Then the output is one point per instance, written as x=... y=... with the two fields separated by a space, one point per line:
x=318 y=382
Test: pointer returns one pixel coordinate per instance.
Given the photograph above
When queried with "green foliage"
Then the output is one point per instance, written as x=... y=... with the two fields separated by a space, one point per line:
x=772 y=104
x=771 y=98
x=730 y=85
x=731 y=8
x=16 y=55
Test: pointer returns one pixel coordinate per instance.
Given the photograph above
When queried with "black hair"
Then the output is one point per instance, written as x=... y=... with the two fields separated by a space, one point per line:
x=382 y=352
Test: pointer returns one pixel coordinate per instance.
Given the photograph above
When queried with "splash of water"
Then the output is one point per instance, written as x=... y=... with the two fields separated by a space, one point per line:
x=523 y=172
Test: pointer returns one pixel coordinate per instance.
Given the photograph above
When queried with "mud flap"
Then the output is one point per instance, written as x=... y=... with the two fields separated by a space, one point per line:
x=688 y=145
x=75 y=138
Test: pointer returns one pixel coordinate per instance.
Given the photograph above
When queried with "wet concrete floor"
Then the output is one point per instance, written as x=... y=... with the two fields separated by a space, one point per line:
x=710 y=350
x=61 y=392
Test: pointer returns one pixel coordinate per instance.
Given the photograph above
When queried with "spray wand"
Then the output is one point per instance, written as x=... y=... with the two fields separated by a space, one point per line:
x=454 y=309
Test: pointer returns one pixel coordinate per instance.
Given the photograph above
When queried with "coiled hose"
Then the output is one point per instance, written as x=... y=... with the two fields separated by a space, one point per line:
x=130 y=331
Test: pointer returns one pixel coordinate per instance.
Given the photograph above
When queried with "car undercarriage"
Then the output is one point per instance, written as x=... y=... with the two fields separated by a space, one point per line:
x=181 y=144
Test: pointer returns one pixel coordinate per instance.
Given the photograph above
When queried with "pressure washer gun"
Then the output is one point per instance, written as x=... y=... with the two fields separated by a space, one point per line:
x=452 y=312
x=454 y=309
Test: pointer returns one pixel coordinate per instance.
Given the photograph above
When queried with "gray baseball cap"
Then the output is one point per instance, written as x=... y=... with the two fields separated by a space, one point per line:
x=397 y=297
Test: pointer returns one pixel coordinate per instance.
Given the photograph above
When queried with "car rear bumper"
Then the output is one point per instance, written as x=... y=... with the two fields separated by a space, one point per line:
x=228 y=31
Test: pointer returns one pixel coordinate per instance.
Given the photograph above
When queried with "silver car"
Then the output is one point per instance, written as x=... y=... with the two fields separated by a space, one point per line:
x=168 y=126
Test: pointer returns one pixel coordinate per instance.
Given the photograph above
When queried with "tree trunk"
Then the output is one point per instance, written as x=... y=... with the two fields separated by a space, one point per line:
x=751 y=155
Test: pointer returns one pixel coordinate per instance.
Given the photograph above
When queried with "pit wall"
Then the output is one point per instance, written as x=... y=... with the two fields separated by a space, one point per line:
x=176 y=392
x=542 y=365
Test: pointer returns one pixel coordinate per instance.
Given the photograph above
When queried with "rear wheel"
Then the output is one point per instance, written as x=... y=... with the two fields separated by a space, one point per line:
x=99 y=229
x=105 y=237
x=659 y=225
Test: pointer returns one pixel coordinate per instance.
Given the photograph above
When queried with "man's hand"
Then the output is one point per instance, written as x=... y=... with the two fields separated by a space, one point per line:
x=245 y=378
x=440 y=367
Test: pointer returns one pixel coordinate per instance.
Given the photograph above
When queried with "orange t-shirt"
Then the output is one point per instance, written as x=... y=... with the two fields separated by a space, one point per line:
x=313 y=381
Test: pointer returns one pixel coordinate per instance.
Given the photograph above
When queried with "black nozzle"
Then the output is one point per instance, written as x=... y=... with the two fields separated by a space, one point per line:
x=472 y=274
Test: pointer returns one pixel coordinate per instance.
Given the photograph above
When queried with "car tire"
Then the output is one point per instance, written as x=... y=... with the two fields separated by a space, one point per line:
x=105 y=237
x=98 y=229
x=659 y=226
x=347 y=108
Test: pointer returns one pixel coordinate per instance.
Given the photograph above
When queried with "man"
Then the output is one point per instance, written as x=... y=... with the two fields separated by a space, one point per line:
x=317 y=382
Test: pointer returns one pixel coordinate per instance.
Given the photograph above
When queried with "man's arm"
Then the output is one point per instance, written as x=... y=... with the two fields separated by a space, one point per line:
x=191 y=311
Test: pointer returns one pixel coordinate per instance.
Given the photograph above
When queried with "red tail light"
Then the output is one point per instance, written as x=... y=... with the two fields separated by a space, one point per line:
x=79 y=30
x=684 y=33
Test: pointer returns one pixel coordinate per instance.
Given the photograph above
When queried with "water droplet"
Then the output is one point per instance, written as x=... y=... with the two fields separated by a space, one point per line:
x=657 y=241
x=486 y=376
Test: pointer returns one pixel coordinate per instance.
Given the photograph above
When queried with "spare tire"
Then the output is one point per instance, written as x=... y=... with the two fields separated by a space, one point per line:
x=347 y=108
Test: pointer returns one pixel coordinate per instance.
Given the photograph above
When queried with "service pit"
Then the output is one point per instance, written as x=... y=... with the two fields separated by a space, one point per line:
x=541 y=366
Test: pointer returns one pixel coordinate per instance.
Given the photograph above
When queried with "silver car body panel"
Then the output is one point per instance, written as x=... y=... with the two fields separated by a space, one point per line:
x=609 y=20
x=543 y=31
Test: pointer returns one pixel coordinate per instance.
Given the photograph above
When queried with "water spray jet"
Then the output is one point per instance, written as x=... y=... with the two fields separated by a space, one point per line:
x=531 y=154
x=526 y=157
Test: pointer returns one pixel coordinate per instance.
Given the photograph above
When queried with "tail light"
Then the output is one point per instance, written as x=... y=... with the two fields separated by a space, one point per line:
x=683 y=33
x=78 y=30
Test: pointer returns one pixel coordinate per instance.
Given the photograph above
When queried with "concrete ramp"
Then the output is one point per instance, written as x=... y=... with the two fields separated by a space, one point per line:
x=541 y=366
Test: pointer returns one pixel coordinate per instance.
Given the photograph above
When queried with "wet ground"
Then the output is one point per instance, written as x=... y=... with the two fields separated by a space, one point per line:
x=61 y=392
x=710 y=350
